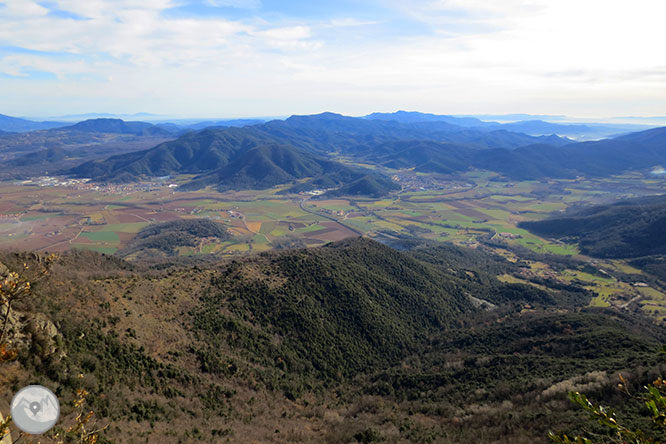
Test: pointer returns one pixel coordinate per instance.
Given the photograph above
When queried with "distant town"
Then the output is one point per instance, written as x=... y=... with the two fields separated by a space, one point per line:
x=85 y=184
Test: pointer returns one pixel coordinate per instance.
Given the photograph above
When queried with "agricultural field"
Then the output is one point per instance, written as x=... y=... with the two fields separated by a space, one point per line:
x=59 y=218
x=479 y=208
x=613 y=283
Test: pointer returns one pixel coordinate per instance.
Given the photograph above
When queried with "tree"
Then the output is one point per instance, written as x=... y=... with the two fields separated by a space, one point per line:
x=654 y=399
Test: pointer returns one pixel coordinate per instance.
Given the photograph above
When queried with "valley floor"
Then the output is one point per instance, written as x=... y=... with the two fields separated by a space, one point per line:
x=474 y=209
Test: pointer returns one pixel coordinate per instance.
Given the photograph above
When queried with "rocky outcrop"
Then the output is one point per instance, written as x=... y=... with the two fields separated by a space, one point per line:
x=26 y=329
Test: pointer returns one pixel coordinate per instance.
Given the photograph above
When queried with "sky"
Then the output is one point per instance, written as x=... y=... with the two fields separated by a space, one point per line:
x=242 y=58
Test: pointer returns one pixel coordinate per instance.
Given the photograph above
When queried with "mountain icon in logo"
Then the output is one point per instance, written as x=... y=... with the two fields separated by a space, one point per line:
x=35 y=409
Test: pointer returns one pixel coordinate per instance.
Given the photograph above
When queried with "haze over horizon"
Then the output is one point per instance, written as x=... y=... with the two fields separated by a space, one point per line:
x=241 y=58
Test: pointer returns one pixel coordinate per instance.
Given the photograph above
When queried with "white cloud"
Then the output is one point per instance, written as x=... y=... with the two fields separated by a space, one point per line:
x=350 y=22
x=242 y=4
x=136 y=32
x=565 y=56
x=22 y=8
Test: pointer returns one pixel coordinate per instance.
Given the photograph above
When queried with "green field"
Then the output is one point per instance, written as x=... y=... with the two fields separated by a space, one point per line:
x=102 y=236
x=126 y=228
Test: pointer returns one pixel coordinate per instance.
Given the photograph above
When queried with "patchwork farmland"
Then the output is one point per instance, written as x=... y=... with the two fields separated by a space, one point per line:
x=484 y=212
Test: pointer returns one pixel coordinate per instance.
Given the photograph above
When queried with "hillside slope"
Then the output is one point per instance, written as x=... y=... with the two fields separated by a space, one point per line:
x=233 y=158
x=317 y=345
x=280 y=152
x=637 y=151
x=18 y=125
x=626 y=229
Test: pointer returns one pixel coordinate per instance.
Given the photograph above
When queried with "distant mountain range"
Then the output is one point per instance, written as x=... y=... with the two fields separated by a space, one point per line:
x=640 y=150
x=521 y=123
x=280 y=152
x=222 y=123
x=82 y=134
x=89 y=116
x=249 y=154
x=415 y=117
x=441 y=147
x=233 y=159
x=524 y=123
x=333 y=132
x=15 y=124
x=35 y=153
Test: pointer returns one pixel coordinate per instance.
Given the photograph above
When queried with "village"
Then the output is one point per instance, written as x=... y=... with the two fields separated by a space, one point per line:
x=107 y=188
x=410 y=181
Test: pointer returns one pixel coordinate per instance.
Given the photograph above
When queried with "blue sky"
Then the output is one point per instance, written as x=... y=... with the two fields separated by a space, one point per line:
x=234 y=58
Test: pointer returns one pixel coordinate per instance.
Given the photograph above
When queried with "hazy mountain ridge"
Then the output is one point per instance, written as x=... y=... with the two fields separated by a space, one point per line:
x=89 y=132
x=327 y=128
x=414 y=117
x=522 y=123
x=637 y=151
x=117 y=126
x=49 y=156
x=223 y=123
x=15 y=124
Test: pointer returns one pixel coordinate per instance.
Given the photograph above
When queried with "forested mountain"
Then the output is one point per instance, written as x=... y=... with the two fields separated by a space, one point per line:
x=35 y=153
x=626 y=229
x=340 y=342
x=655 y=136
x=49 y=156
x=328 y=130
x=117 y=126
x=288 y=147
x=211 y=150
x=234 y=158
x=636 y=151
x=192 y=153
x=82 y=134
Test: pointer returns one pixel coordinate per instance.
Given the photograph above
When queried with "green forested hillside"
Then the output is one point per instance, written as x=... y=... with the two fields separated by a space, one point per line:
x=626 y=229
x=168 y=236
x=342 y=308
x=330 y=345
x=233 y=158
